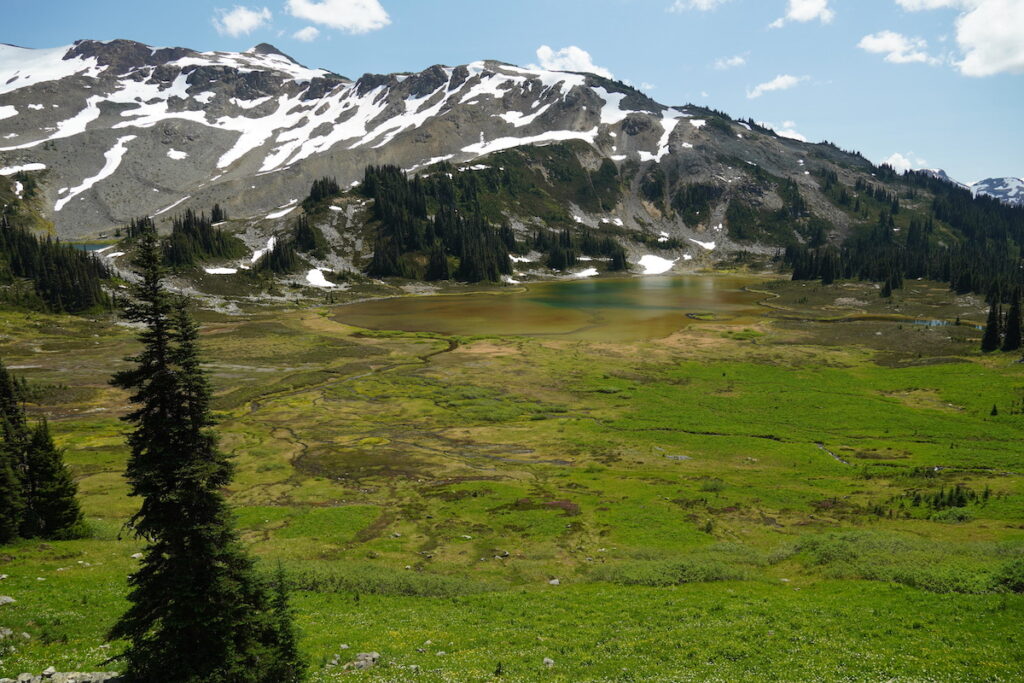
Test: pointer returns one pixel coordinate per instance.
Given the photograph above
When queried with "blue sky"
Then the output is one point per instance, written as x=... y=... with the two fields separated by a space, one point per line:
x=938 y=82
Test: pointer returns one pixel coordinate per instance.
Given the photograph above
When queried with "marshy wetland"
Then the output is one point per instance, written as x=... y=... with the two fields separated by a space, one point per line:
x=700 y=478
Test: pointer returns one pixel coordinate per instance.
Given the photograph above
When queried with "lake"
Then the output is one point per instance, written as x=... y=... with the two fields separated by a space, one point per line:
x=625 y=309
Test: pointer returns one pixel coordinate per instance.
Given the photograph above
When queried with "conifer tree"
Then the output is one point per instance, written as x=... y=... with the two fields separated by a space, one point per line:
x=51 y=509
x=990 y=340
x=199 y=612
x=437 y=266
x=1012 y=338
x=12 y=430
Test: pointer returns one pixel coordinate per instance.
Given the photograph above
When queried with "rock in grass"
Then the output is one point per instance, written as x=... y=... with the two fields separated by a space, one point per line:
x=548 y=662
x=6 y=600
x=364 y=660
x=554 y=582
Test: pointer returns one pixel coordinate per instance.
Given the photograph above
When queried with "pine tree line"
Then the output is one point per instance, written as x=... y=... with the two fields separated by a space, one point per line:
x=199 y=612
x=193 y=238
x=410 y=243
x=562 y=249
x=64 y=279
x=36 y=488
x=986 y=258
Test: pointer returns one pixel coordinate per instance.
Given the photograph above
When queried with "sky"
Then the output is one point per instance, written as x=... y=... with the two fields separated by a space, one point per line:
x=916 y=83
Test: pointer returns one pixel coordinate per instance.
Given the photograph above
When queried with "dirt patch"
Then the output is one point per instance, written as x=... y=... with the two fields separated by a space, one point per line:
x=493 y=349
x=923 y=398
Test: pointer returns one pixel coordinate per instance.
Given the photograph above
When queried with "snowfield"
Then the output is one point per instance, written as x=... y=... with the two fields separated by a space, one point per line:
x=11 y=170
x=655 y=265
x=316 y=278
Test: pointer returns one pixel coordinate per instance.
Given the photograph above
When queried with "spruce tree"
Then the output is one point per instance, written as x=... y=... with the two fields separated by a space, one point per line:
x=198 y=612
x=1012 y=338
x=990 y=340
x=51 y=510
x=12 y=430
x=437 y=266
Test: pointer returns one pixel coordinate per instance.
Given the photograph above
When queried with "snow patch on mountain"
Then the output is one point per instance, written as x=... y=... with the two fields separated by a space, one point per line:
x=316 y=278
x=113 y=158
x=11 y=170
x=68 y=127
x=655 y=265
x=21 y=67
x=501 y=144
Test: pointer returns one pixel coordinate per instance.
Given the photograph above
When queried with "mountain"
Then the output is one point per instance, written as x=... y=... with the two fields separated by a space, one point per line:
x=1008 y=190
x=940 y=174
x=120 y=129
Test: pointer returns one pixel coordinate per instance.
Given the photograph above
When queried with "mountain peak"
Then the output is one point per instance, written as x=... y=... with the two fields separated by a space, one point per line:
x=268 y=49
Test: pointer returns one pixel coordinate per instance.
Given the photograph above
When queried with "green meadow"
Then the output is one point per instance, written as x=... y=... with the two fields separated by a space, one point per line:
x=828 y=490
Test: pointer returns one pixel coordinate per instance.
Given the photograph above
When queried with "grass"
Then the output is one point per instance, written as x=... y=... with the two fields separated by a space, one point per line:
x=731 y=502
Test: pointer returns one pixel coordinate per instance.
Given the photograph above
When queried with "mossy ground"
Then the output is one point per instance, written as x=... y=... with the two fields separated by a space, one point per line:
x=732 y=502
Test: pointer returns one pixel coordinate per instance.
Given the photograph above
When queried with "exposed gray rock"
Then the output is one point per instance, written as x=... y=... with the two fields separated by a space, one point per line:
x=364 y=660
x=51 y=675
x=6 y=600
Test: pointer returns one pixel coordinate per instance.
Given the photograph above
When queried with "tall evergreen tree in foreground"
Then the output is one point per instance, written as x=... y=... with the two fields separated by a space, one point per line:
x=199 y=612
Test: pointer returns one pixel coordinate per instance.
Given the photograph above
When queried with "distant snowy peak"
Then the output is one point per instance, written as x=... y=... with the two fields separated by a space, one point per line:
x=1008 y=190
x=942 y=175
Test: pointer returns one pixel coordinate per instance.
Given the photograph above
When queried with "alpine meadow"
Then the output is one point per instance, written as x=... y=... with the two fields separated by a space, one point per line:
x=506 y=370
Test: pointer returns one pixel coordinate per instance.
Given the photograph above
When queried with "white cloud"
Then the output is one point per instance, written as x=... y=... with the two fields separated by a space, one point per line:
x=730 y=62
x=783 y=82
x=240 y=20
x=897 y=48
x=786 y=130
x=351 y=16
x=702 y=5
x=804 y=11
x=992 y=38
x=905 y=163
x=989 y=32
x=647 y=86
x=918 y=5
x=569 y=58
x=307 y=35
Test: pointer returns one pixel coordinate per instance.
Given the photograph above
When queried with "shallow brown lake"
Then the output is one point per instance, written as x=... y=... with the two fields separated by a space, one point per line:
x=599 y=310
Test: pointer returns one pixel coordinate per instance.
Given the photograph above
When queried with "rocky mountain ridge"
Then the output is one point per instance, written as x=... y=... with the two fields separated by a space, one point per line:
x=120 y=129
